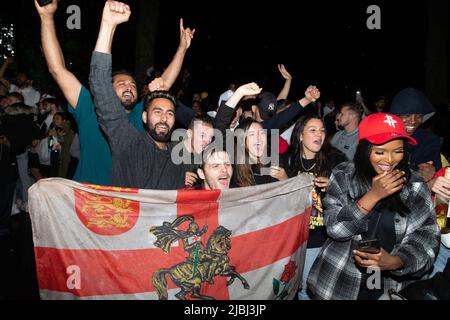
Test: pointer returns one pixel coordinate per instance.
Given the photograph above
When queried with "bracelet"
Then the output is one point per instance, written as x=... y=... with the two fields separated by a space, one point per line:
x=359 y=205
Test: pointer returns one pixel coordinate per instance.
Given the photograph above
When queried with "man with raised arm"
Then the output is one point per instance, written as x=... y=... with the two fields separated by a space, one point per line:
x=95 y=155
x=140 y=159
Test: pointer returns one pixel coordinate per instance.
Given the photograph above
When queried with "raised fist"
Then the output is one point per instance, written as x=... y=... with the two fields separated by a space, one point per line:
x=249 y=89
x=157 y=85
x=47 y=10
x=116 y=12
x=312 y=93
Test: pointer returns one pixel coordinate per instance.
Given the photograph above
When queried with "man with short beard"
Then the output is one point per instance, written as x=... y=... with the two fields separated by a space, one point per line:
x=95 y=165
x=346 y=140
x=140 y=159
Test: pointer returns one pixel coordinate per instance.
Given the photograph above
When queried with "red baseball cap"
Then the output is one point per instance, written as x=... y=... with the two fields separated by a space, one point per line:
x=379 y=128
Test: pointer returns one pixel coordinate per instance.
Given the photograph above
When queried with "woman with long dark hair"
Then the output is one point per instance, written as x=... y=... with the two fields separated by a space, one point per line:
x=379 y=217
x=310 y=152
x=252 y=166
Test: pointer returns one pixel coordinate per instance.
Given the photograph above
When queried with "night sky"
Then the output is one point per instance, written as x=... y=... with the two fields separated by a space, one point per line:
x=323 y=43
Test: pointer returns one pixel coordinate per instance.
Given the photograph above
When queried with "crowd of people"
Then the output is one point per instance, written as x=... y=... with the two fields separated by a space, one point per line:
x=375 y=172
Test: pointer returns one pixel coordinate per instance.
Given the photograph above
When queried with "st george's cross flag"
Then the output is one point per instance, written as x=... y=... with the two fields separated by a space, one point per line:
x=95 y=242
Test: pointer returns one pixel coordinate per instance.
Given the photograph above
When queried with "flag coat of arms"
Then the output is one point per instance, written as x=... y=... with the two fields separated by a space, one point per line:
x=95 y=242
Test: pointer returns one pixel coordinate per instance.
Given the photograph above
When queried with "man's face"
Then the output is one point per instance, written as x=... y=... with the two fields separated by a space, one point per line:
x=380 y=105
x=411 y=122
x=217 y=171
x=196 y=97
x=159 y=119
x=200 y=136
x=125 y=88
x=21 y=80
x=44 y=107
x=344 y=117
x=197 y=107
x=12 y=100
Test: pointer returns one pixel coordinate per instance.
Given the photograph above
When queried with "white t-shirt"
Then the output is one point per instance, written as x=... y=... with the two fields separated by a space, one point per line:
x=30 y=94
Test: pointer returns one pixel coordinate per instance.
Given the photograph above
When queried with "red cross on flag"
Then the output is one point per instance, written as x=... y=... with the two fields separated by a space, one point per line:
x=95 y=242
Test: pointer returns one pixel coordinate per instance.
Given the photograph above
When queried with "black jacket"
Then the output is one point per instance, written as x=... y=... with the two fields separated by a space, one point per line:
x=428 y=148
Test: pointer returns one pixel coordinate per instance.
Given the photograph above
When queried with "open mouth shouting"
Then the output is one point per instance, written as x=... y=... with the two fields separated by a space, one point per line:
x=128 y=95
x=224 y=180
x=160 y=127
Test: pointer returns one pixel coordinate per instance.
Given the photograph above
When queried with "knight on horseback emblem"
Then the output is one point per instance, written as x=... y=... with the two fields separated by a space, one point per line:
x=203 y=262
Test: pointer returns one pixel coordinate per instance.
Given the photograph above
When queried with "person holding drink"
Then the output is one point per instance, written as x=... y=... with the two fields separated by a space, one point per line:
x=441 y=188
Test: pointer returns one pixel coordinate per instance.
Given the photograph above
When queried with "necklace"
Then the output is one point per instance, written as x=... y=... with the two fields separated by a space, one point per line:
x=306 y=170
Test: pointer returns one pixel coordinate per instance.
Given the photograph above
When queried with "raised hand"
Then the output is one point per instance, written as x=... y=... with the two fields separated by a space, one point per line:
x=427 y=170
x=186 y=35
x=115 y=12
x=248 y=89
x=48 y=10
x=387 y=183
x=284 y=73
x=312 y=93
x=157 y=85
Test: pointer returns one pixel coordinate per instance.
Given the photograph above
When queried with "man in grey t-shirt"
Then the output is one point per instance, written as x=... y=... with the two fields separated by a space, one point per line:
x=346 y=140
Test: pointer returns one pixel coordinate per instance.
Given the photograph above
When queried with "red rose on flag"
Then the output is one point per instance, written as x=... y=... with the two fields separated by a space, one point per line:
x=289 y=271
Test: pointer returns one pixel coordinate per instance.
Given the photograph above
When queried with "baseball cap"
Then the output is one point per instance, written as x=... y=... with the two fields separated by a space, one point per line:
x=267 y=104
x=46 y=96
x=379 y=128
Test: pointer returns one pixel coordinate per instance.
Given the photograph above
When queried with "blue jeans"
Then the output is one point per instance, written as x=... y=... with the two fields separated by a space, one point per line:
x=311 y=255
x=441 y=260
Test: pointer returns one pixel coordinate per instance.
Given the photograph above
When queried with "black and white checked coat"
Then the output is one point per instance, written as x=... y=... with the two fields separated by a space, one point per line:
x=334 y=274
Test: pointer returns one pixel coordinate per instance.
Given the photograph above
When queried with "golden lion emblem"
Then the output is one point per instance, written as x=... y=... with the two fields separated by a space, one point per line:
x=106 y=212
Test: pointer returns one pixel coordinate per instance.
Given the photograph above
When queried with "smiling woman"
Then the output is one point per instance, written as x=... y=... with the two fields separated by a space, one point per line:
x=375 y=199
x=386 y=157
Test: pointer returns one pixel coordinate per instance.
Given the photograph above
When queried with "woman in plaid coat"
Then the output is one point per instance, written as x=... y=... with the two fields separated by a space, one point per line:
x=376 y=197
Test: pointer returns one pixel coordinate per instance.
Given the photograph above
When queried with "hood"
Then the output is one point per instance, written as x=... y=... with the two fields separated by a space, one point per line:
x=410 y=101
